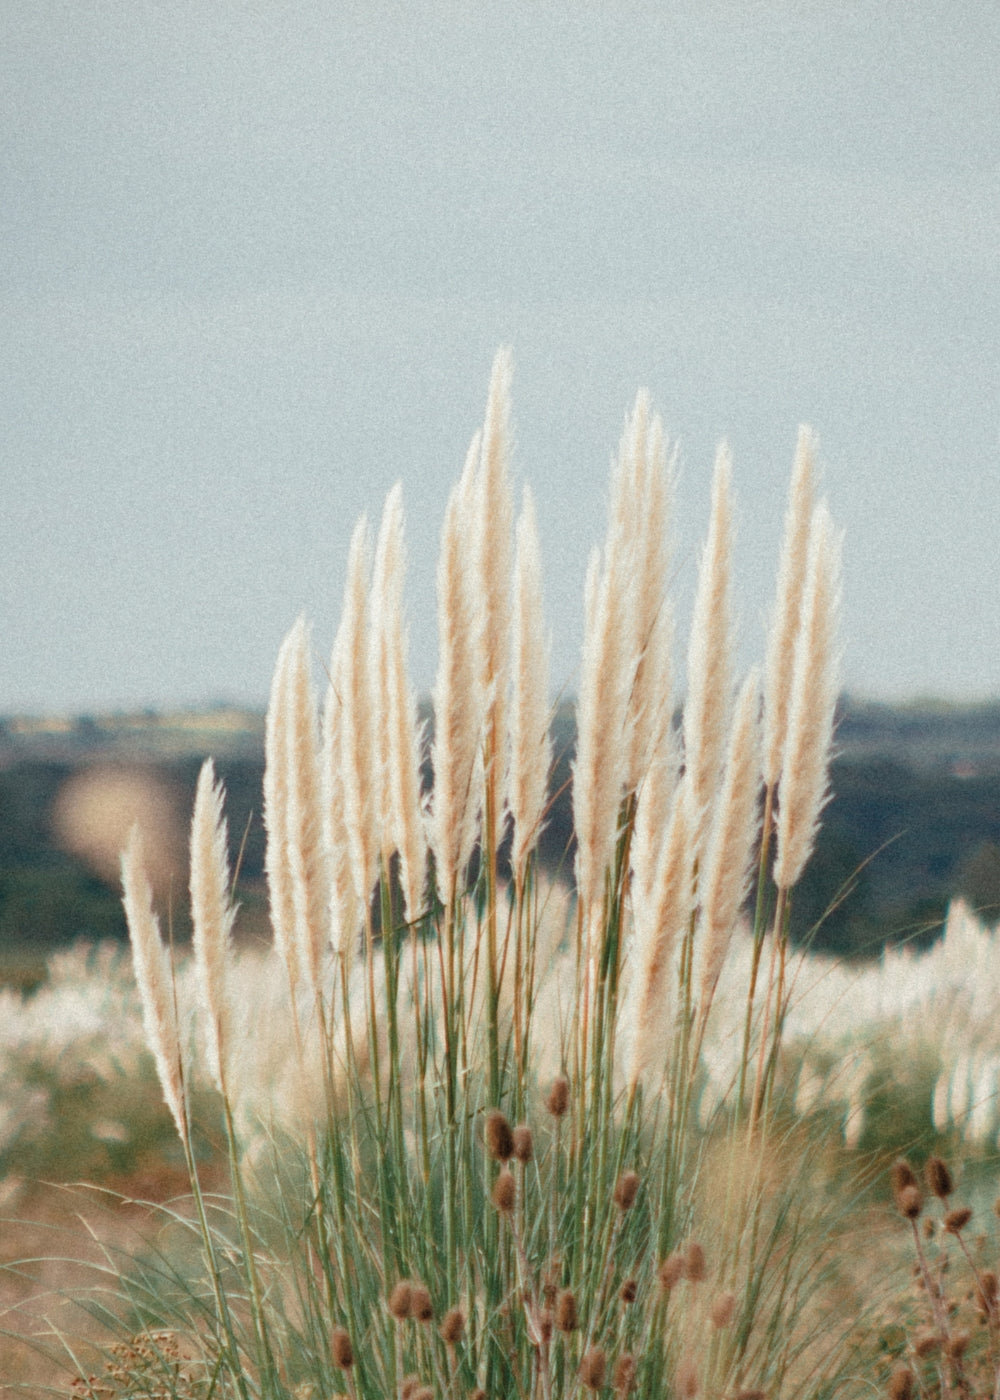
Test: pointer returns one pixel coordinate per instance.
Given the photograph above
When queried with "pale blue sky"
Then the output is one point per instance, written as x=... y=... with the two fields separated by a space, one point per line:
x=256 y=258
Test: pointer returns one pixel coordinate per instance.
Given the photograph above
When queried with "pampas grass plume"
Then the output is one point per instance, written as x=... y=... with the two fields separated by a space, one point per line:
x=212 y=915
x=154 y=977
x=350 y=672
x=659 y=914
x=277 y=864
x=802 y=790
x=402 y=823
x=531 y=743
x=491 y=536
x=709 y=660
x=307 y=853
x=778 y=666
x=457 y=696
x=730 y=849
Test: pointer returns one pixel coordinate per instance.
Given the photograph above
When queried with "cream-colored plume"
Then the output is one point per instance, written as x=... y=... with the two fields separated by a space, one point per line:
x=802 y=786
x=531 y=742
x=345 y=907
x=155 y=980
x=402 y=824
x=212 y=915
x=458 y=704
x=788 y=606
x=492 y=522
x=350 y=675
x=307 y=855
x=724 y=881
x=607 y=675
x=650 y=703
x=659 y=914
x=277 y=866
x=709 y=661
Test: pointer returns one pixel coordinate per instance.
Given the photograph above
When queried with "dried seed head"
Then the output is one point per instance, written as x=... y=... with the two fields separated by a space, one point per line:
x=477 y=1394
x=671 y=1271
x=499 y=1138
x=956 y=1220
x=524 y=1147
x=452 y=1326
x=901 y=1175
x=926 y=1343
x=987 y=1292
x=901 y=1384
x=694 y=1262
x=401 y=1300
x=686 y=1379
x=626 y=1190
x=504 y=1192
x=410 y=1385
x=594 y=1368
x=566 y=1315
x=422 y=1392
x=938 y=1178
x=623 y=1376
x=629 y=1291
x=340 y=1346
x=722 y=1309
x=545 y=1324
x=957 y=1343
x=421 y=1306
x=558 y=1100
x=910 y=1202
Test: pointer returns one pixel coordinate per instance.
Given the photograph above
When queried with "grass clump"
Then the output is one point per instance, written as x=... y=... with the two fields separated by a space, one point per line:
x=478 y=1169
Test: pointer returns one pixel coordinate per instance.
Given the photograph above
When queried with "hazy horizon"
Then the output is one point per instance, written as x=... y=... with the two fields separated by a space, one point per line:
x=257 y=263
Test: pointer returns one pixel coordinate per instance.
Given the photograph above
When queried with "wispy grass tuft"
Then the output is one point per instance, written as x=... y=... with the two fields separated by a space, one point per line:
x=480 y=1170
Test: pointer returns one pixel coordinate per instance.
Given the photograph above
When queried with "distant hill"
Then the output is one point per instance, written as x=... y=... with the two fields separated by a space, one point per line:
x=914 y=819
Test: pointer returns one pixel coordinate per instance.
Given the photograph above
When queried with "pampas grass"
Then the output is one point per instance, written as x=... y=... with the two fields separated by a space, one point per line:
x=387 y=1159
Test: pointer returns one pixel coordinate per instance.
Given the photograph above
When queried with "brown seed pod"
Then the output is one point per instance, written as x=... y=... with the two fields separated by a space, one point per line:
x=722 y=1309
x=901 y=1384
x=910 y=1202
x=987 y=1292
x=686 y=1378
x=477 y=1394
x=421 y=1306
x=452 y=1326
x=671 y=1271
x=694 y=1262
x=938 y=1178
x=401 y=1300
x=629 y=1290
x=623 y=1375
x=626 y=1190
x=341 y=1348
x=903 y=1179
x=558 y=1100
x=411 y=1384
x=524 y=1143
x=926 y=1344
x=545 y=1325
x=956 y=1220
x=504 y=1192
x=594 y=1368
x=499 y=1138
x=957 y=1344
x=566 y=1315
